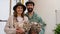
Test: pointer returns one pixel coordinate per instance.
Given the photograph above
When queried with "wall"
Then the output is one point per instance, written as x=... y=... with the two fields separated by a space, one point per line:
x=46 y=9
x=4 y=14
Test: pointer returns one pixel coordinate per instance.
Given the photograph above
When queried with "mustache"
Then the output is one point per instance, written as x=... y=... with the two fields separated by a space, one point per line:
x=30 y=8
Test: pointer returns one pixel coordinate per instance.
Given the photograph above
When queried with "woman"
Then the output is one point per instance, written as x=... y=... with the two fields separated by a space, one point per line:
x=14 y=24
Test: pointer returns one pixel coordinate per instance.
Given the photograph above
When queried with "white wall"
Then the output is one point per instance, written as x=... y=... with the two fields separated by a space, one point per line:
x=58 y=4
x=4 y=14
x=46 y=9
x=2 y=25
x=4 y=9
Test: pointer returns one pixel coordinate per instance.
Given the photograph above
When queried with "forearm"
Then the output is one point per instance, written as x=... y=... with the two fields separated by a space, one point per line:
x=10 y=30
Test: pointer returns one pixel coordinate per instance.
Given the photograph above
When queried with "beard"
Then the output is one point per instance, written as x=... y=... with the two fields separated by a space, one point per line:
x=30 y=9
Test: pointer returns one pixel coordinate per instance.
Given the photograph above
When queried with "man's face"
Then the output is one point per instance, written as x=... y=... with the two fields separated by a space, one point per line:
x=30 y=7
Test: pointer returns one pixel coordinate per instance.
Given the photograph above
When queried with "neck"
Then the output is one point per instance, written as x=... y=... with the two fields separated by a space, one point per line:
x=18 y=14
x=30 y=13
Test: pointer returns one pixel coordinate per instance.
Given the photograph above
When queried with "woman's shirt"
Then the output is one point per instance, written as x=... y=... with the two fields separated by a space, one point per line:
x=9 y=28
x=21 y=21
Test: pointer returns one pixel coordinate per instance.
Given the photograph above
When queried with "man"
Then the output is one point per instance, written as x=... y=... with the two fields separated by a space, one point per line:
x=33 y=17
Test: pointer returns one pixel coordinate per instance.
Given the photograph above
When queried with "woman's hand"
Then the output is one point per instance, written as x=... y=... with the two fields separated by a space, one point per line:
x=19 y=30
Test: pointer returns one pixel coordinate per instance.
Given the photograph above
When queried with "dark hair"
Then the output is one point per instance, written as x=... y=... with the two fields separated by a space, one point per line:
x=19 y=4
x=15 y=12
x=30 y=2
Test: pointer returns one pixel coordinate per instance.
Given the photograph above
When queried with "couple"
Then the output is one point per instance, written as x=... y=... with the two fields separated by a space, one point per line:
x=14 y=24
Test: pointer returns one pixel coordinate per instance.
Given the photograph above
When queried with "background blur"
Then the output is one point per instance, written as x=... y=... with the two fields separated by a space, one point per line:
x=49 y=10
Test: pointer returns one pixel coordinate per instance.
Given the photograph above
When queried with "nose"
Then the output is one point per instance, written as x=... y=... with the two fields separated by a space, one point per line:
x=29 y=6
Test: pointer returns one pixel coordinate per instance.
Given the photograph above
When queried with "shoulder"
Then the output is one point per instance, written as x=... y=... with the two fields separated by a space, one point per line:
x=39 y=17
x=25 y=18
x=26 y=14
x=11 y=16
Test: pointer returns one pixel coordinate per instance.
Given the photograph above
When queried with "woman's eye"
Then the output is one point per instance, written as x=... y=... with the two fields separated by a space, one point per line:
x=21 y=8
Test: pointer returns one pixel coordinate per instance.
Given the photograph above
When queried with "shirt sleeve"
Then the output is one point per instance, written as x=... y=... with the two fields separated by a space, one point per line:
x=8 y=28
x=41 y=22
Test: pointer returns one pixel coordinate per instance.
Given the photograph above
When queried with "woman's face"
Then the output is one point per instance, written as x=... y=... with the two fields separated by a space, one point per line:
x=19 y=9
